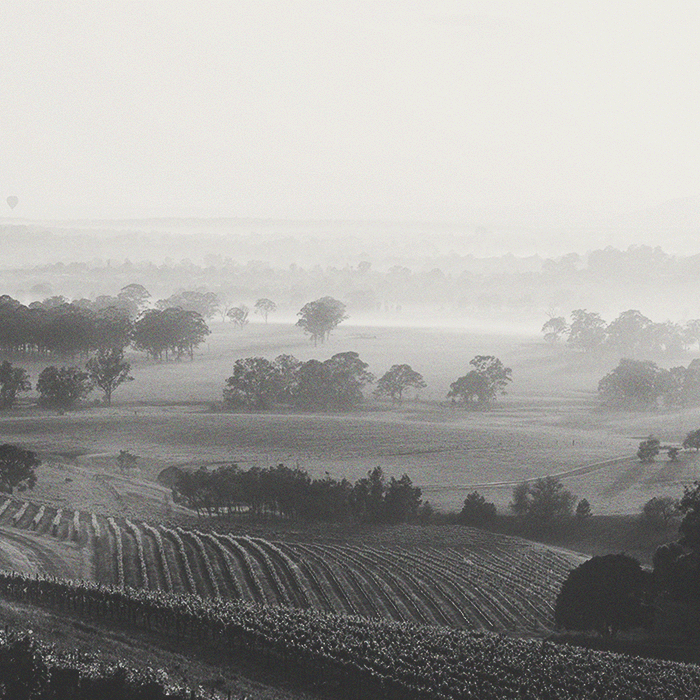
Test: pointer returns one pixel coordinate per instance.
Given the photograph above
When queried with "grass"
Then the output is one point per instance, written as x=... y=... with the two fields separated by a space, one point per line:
x=548 y=423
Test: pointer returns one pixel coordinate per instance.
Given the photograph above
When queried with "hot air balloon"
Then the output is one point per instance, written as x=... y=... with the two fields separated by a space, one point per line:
x=12 y=201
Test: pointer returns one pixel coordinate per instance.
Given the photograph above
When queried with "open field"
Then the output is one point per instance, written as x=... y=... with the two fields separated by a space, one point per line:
x=548 y=423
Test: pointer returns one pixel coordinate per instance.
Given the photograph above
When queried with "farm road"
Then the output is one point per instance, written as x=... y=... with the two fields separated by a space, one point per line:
x=578 y=471
x=31 y=554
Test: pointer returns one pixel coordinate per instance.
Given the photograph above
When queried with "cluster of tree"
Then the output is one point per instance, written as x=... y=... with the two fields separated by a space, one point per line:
x=56 y=327
x=170 y=332
x=63 y=330
x=544 y=502
x=612 y=592
x=318 y=318
x=537 y=505
x=64 y=387
x=292 y=494
x=334 y=384
x=631 y=334
x=481 y=385
x=643 y=384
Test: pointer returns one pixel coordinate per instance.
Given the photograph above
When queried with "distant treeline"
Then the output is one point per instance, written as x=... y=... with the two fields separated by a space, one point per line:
x=292 y=494
x=449 y=284
x=643 y=384
x=631 y=334
x=58 y=328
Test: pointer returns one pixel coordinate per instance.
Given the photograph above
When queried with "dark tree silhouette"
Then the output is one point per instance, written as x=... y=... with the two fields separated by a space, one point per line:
x=543 y=502
x=17 y=467
x=252 y=385
x=62 y=387
x=13 y=380
x=692 y=440
x=477 y=510
x=605 y=594
x=648 y=449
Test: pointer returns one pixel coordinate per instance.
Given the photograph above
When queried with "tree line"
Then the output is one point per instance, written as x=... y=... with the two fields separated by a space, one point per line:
x=337 y=384
x=631 y=334
x=64 y=387
x=292 y=494
x=57 y=328
x=643 y=384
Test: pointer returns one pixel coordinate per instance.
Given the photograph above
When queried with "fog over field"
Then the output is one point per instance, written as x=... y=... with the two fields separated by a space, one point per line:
x=306 y=304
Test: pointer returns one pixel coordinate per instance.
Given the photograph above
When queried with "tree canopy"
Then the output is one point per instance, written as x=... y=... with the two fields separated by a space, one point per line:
x=17 y=467
x=396 y=380
x=605 y=594
x=62 y=387
x=13 y=380
x=173 y=331
x=335 y=384
x=483 y=384
x=543 y=502
x=477 y=510
x=318 y=318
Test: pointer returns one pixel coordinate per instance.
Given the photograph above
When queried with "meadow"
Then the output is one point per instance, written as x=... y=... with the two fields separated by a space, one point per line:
x=548 y=423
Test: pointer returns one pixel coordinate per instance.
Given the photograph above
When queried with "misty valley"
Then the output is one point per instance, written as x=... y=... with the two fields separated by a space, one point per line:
x=466 y=446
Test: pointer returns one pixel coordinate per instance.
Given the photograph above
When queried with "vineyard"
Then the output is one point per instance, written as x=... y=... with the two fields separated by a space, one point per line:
x=492 y=582
x=360 y=658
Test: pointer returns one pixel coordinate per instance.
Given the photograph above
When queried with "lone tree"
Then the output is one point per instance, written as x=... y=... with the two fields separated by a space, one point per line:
x=17 y=468
x=692 y=440
x=396 y=380
x=554 y=328
x=318 y=318
x=583 y=510
x=239 y=314
x=108 y=370
x=481 y=385
x=264 y=307
x=648 y=449
x=605 y=594
x=62 y=387
x=658 y=511
x=477 y=510
x=13 y=380
x=126 y=460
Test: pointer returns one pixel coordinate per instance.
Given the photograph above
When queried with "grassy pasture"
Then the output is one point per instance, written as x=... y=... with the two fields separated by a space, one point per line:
x=548 y=423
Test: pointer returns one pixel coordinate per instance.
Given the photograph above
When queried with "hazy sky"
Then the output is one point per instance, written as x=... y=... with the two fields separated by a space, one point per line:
x=405 y=109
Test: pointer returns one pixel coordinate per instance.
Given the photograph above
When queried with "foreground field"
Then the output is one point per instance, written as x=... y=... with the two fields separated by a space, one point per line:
x=484 y=581
x=351 y=657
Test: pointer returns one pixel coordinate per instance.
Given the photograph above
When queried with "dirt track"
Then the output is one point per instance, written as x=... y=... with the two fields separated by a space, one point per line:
x=30 y=554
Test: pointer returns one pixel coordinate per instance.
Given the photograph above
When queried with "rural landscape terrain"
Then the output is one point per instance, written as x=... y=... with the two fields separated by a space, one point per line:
x=394 y=473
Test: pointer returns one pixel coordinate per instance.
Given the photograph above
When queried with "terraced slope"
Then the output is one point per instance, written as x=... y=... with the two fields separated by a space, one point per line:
x=494 y=582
